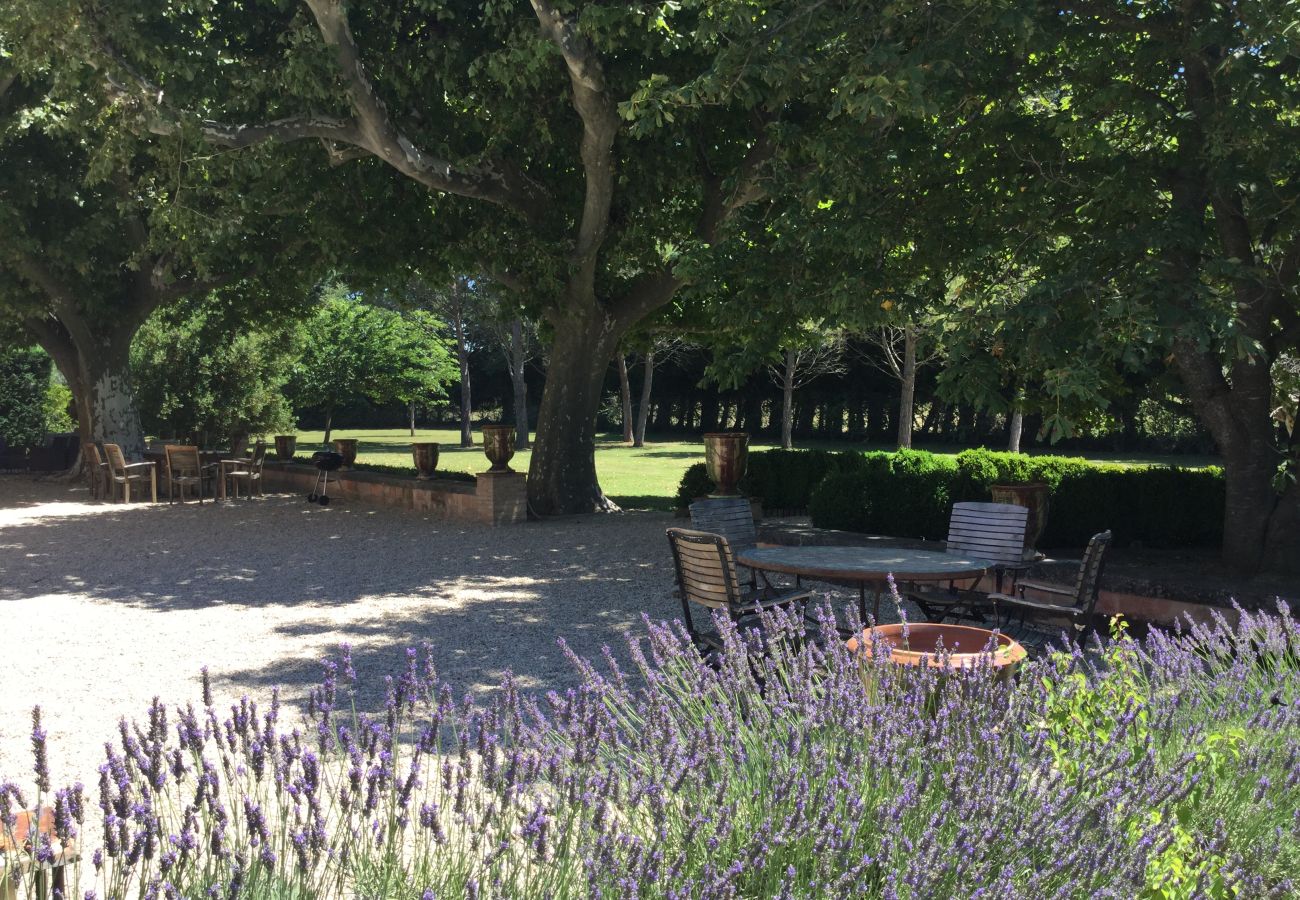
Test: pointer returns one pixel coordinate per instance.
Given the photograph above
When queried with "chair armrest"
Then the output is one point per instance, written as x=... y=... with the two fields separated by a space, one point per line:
x=140 y=465
x=1045 y=587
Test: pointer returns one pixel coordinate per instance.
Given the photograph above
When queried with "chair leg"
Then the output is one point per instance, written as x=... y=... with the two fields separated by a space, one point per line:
x=153 y=485
x=126 y=492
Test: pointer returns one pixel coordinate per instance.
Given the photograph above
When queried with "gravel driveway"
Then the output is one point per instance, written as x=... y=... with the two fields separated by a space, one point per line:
x=105 y=606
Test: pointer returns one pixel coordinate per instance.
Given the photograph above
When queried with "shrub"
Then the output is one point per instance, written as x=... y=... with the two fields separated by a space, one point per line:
x=912 y=497
x=782 y=479
x=1161 y=769
x=24 y=381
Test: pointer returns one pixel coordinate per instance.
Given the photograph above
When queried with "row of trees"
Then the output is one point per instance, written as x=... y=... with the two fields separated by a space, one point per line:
x=1077 y=191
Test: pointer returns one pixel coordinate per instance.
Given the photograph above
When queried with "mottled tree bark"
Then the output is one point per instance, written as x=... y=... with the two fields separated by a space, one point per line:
x=643 y=408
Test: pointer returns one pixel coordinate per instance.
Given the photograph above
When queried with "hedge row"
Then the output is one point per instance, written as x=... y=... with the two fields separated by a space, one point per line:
x=910 y=493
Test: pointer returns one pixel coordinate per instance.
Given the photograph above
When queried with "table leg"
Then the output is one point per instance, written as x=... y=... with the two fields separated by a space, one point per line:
x=221 y=481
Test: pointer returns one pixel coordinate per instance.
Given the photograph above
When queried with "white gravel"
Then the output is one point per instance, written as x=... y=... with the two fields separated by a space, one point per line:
x=103 y=607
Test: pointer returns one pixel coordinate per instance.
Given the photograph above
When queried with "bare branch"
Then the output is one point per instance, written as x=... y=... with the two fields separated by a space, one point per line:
x=719 y=204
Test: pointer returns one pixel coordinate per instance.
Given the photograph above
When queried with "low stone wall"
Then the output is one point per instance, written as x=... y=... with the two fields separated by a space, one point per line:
x=494 y=499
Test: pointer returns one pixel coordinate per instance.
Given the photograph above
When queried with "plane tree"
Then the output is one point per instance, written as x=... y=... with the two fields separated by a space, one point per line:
x=597 y=153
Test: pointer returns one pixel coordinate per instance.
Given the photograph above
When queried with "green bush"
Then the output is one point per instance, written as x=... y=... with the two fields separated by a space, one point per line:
x=912 y=494
x=782 y=479
x=24 y=381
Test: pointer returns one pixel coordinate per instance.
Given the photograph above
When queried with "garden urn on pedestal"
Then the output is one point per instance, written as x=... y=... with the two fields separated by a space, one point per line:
x=726 y=455
x=425 y=455
x=499 y=447
x=285 y=446
x=346 y=448
x=1034 y=496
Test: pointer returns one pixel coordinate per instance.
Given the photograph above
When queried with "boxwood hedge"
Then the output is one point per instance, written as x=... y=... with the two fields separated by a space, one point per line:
x=910 y=493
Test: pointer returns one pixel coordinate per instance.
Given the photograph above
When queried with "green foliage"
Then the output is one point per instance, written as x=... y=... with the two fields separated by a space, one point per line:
x=59 y=407
x=910 y=493
x=24 y=383
x=350 y=348
x=203 y=375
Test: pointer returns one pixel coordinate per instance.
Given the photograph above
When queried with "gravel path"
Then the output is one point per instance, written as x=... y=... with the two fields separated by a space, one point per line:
x=103 y=606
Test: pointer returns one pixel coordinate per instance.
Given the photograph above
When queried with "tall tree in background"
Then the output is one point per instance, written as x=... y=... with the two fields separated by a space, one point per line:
x=602 y=182
x=660 y=350
x=812 y=353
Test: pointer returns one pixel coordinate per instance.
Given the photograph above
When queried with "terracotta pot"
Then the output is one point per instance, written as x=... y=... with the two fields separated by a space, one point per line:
x=347 y=448
x=499 y=446
x=726 y=456
x=1036 y=497
x=285 y=446
x=964 y=646
x=426 y=459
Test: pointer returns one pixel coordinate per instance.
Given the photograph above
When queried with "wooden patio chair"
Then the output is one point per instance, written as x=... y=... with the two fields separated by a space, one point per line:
x=991 y=531
x=248 y=472
x=185 y=469
x=120 y=472
x=96 y=470
x=706 y=575
x=1080 y=611
x=733 y=518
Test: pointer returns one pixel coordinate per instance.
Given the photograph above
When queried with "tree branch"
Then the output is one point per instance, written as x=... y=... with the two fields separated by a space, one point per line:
x=600 y=124
x=720 y=205
x=494 y=182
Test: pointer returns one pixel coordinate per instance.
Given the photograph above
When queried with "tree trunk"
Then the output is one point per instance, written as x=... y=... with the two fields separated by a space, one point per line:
x=625 y=396
x=466 y=406
x=329 y=424
x=519 y=384
x=410 y=408
x=643 y=408
x=562 y=474
x=99 y=376
x=787 y=401
x=1014 y=428
x=907 y=392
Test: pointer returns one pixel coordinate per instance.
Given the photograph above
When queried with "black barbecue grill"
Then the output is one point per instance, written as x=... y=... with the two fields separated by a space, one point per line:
x=325 y=461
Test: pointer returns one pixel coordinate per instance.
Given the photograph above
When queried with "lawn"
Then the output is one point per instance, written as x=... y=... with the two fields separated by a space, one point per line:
x=635 y=477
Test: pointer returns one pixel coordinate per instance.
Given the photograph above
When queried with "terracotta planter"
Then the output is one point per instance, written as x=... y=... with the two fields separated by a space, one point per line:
x=346 y=448
x=726 y=456
x=285 y=446
x=1036 y=497
x=964 y=647
x=499 y=446
x=426 y=459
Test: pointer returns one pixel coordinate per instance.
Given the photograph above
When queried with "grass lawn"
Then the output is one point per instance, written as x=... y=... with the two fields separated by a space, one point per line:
x=635 y=477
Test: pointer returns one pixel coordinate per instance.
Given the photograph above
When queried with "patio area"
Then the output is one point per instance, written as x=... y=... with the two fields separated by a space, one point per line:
x=105 y=606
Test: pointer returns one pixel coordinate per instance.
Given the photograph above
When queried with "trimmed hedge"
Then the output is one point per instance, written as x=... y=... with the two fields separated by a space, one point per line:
x=910 y=493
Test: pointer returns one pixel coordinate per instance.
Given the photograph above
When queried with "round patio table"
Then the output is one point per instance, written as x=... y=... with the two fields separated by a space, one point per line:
x=864 y=566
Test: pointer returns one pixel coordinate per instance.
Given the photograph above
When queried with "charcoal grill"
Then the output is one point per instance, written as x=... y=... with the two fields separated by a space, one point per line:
x=325 y=461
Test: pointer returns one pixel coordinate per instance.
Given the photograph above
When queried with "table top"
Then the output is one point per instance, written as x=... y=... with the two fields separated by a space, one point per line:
x=863 y=563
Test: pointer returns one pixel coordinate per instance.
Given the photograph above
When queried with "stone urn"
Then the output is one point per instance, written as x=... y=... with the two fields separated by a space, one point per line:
x=1034 y=496
x=964 y=647
x=346 y=448
x=499 y=447
x=425 y=455
x=285 y=446
x=726 y=455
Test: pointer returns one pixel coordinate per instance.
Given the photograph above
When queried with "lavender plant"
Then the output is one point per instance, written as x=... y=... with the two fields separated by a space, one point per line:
x=1163 y=768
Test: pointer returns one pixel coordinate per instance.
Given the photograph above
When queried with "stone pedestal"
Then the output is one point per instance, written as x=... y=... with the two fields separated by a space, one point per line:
x=502 y=498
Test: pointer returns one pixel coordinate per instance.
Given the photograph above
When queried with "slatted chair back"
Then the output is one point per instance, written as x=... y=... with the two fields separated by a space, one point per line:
x=182 y=461
x=259 y=457
x=992 y=531
x=116 y=461
x=95 y=466
x=731 y=517
x=1087 y=586
x=706 y=570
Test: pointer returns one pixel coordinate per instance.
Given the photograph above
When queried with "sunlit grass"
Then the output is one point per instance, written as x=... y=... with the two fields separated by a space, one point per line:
x=636 y=477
